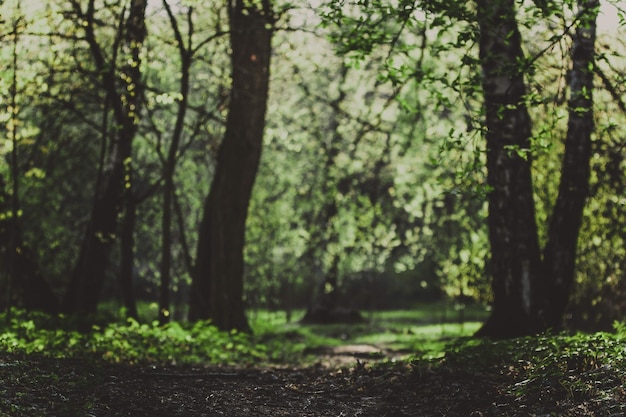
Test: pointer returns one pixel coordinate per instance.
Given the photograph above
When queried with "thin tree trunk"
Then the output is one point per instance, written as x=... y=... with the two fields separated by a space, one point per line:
x=560 y=250
x=166 y=252
x=323 y=295
x=170 y=169
x=83 y=291
x=217 y=286
x=25 y=285
x=127 y=244
x=15 y=233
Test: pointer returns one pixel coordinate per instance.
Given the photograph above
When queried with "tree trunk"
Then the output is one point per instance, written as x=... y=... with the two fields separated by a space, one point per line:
x=25 y=286
x=127 y=248
x=166 y=250
x=217 y=286
x=83 y=291
x=560 y=250
x=169 y=169
x=515 y=253
x=90 y=270
x=531 y=293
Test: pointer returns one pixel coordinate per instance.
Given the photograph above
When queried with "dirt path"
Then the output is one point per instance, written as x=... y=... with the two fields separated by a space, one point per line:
x=350 y=355
x=37 y=386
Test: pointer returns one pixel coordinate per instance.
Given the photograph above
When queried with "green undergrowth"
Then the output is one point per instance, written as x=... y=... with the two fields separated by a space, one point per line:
x=422 y=332
x=569 y=362
x=130 y=342
x=416 y=333
x=546 y=354
x=562 y=366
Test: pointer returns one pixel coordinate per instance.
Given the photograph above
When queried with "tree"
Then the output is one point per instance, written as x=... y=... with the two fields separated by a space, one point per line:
x=531 y=288
x=186 y=54
x=371 y=161
x=217 y=283
x=124 y=91
x=342 y=222
x=25 y=283
x=599 y=294
x=188 y=50
x=345 y=206
x=515 y=253
x=559 y=256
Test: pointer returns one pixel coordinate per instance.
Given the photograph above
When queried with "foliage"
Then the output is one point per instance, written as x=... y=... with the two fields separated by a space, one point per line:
x=361 y=158
x=422 y=331
x=128 y=342
x=564 y=365
x=447 y=33
x=419 y=332
x=372 y=161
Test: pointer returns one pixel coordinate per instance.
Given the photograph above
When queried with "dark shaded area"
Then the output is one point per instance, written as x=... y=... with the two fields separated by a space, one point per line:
x=332 y=315
x=36 y=386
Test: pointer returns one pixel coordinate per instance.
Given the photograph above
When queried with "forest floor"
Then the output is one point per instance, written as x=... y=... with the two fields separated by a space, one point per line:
x=351 y=381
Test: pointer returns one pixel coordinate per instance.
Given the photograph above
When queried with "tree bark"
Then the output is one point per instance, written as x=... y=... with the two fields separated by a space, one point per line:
x=135 y=36
x=127 y=249
x=83 y=291
x=87 y=278
x=170 y=168
x=515 y=253
x=531 y=288
x=217 y=283
x=25 y=285
x=560 y=251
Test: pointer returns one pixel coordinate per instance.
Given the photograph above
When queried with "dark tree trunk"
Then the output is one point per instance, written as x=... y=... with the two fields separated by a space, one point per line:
x=217 y=287
x=33 y=290
x=83 y=291
x=323 y=292
x=560 y=250
x=129 y=118
x=127 y=248
x=90 y=270
x=166 y=248
x=515 y=253
x=327 y=308
x=170 y=168
x=531 y=293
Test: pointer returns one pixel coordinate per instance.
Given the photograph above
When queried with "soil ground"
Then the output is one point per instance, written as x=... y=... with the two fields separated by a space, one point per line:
x=347 y=382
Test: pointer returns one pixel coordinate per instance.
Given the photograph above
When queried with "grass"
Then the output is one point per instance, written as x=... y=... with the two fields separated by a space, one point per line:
x=566 y=366
x=422 y=332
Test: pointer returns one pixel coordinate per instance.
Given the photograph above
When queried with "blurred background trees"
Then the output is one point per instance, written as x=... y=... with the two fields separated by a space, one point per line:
x=371 y=191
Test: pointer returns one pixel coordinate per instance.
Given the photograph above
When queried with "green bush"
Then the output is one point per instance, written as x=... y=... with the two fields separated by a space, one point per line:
x=129 y=341
x=565 y=364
